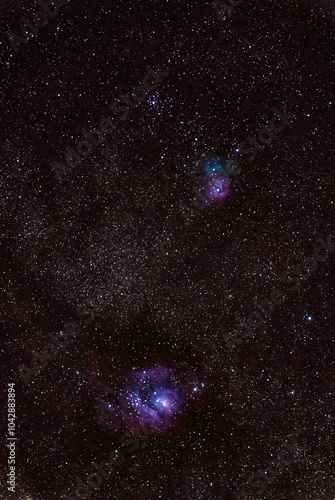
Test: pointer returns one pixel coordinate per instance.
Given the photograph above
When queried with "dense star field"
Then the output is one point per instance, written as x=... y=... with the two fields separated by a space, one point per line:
x=167 y=249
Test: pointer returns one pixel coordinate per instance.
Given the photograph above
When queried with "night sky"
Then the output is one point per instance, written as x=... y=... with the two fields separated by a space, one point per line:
x=167 y=297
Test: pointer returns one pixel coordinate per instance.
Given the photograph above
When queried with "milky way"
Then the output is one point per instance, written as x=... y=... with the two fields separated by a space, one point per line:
x=162 y=253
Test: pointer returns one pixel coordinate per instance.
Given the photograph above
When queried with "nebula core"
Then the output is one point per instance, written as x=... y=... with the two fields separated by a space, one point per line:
x=218 y=189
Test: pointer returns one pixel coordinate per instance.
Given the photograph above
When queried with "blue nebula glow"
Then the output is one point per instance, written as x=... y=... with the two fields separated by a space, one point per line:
x=213 y=167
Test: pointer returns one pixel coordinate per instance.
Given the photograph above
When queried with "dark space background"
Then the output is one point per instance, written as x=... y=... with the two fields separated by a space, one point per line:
x=114 y=224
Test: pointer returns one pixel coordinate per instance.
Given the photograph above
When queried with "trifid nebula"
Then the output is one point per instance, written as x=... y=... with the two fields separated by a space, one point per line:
x=167 y=248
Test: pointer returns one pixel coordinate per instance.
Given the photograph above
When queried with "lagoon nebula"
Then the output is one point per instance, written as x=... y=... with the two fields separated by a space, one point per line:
x=153 y=398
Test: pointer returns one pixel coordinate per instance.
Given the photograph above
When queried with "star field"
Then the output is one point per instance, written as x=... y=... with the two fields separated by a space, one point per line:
x=194 y=177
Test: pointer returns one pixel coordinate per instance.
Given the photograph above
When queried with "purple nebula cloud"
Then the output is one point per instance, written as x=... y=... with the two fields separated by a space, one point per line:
x=218 y=189
x=154 y=397
x=149 y=398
